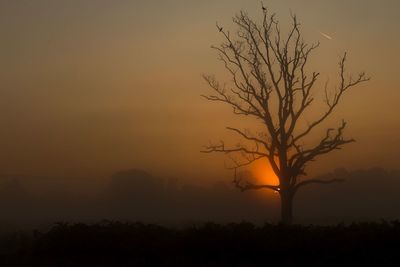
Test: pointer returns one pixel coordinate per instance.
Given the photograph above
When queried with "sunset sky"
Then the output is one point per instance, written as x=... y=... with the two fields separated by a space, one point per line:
x=88 y=88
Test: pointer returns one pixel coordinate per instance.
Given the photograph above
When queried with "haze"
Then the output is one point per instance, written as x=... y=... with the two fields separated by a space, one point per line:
x=89 y=88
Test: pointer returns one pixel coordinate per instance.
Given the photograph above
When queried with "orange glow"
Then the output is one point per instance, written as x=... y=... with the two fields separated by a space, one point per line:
x=263 y=174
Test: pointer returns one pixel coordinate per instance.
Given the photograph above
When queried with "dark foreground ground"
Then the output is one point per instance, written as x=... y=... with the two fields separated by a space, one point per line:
x=137 y=244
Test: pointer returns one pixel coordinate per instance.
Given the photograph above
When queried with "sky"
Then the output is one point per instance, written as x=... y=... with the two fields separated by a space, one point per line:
x=88 y=88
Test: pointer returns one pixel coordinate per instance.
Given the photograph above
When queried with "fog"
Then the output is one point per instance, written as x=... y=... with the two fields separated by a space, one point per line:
x=135 y=195
x=90 y=88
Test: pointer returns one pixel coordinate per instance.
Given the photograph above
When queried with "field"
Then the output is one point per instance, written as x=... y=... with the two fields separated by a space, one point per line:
x=137 y=244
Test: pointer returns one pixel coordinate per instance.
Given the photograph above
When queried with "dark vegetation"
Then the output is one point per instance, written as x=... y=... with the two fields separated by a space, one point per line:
x=136 y=244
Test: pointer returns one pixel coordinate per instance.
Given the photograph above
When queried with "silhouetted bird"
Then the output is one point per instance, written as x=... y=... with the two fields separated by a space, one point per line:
x=263 y=8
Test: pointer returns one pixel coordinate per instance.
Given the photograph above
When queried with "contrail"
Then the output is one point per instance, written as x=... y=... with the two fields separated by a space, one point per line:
x=326 y=36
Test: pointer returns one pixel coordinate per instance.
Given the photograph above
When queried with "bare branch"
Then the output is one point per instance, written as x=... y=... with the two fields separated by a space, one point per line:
x=334 y=101
x=270 y=82
x=250 y=138
x=246 y=185
x=327 y=144
x=222 y=149
x=247 y=159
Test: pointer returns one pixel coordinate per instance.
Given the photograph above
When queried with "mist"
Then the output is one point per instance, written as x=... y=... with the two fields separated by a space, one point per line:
x=136 y=195
x=88 y=90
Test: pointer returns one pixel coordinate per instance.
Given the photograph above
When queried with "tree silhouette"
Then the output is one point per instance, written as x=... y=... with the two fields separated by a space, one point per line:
x=271 y=83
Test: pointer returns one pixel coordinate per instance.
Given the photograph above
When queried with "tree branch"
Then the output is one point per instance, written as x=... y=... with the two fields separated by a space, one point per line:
x=270 y=81
x=327 y=144
x=246 y=186
x=333 y=102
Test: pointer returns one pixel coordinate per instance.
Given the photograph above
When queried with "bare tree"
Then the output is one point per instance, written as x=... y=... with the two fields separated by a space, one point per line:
x=271 y=83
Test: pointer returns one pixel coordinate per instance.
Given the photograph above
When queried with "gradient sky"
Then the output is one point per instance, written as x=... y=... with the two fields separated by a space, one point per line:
x=91 y=87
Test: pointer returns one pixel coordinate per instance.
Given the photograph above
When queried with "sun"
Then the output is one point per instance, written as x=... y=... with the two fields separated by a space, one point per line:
x=263 y=174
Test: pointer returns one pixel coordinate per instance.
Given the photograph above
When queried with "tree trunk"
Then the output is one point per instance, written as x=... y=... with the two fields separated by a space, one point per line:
x=286 y=207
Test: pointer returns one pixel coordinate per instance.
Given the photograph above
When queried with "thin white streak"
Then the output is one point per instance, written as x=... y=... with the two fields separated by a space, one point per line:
x=326 y=36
